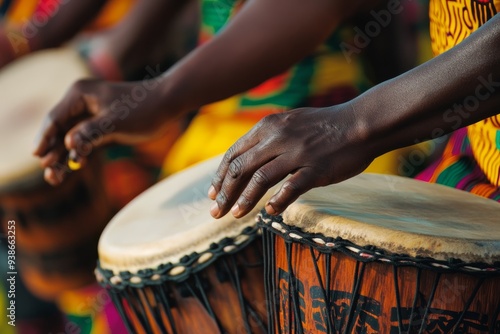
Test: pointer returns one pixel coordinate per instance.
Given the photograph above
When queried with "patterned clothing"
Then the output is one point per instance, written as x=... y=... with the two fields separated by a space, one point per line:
x=91 y=311
x=471 y=160
x=19 y=11
x=323 y=78
x=458 y=168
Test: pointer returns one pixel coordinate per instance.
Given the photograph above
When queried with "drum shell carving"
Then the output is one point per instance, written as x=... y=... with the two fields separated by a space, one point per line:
x=377 y=307
x=384 y=254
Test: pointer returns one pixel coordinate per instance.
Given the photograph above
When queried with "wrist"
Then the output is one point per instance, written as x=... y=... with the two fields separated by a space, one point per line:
x=368 y=121
x=170 y=96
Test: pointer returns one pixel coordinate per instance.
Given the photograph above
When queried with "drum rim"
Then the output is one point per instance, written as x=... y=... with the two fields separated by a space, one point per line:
x=370 y=253
x=483 y=247
x=119 y=251
x=178 y=271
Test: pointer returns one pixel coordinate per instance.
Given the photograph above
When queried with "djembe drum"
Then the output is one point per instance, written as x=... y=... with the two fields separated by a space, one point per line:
x=384 y=254
x=171 y=268
x=56 y=228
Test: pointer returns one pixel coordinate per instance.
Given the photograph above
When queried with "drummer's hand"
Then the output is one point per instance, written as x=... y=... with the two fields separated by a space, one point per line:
x=94 y=113
x=317 y=146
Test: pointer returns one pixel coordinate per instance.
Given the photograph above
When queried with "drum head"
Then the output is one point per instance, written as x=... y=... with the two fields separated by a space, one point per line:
x=167 y=222
x=402 y=216
x=29 y=88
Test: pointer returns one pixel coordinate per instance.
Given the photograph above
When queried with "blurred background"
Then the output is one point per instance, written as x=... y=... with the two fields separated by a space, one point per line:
x=57 y=229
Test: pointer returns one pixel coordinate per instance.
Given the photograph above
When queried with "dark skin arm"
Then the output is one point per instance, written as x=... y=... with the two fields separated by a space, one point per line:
x=138 y=39
x=219 y=69
x=145 y=25
x=67 y=20
x=324 y=146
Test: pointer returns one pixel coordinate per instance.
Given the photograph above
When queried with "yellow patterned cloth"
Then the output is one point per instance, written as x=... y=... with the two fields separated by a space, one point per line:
x=323 y=78
x=450 y=23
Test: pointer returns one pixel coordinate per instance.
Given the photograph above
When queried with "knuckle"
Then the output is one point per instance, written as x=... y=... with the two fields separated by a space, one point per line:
x=90 y=133
x=235 y=168
x=230 y=154
x=244 y=202
x=221 y=198
x=291 y=188
x=271 y=120
x=260 y=178
x=217 y=179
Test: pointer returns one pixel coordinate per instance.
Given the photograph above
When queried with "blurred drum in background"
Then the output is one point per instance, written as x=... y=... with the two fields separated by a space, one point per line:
x=171 y=268
x=56 y=229
x=384 y=254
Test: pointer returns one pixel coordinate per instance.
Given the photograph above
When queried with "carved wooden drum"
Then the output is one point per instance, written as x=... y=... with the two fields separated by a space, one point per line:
x=171 y=268
x=384 y=254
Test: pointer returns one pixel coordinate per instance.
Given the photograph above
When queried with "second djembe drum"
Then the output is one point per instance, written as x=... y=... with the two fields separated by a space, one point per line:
x=171 y=268
x=384 y=254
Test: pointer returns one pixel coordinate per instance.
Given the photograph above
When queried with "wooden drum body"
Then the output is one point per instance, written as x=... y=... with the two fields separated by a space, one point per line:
x=171 y=268
x=384 y=254
x=56 y=228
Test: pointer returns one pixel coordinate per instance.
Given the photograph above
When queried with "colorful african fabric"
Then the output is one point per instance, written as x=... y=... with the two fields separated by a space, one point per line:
x=325 y=77
x=471 y=160
x=19 y=11
x=91 y=311
x=458 y=168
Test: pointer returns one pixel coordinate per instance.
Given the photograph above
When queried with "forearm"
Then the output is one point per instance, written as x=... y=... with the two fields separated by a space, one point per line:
x=453 y=90
x=142 y=32
x=62 y=24
x=264 y=39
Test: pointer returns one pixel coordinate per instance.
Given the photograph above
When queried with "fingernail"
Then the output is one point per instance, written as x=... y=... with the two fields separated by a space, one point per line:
x=270 y=210
x=235 y=210
x=214 y=209
x=74 y=161
x=211 y=192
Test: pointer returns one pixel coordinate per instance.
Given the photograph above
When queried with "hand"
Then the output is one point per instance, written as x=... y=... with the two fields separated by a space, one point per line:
x=94 y=113
x=317 y=146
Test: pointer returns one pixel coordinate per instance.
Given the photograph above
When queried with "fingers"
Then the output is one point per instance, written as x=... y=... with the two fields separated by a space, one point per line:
x=46 y=137
x=71 y=131
x=261 y=181
x=57 y=172
x=244 y=144
x=300 y=182
x=251 y=173
x=61 y=118
x=87 y=136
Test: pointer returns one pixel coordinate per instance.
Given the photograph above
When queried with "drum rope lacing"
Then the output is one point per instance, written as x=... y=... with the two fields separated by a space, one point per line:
x=177 y=272
x=371 y=253
x=186 y=276
x=274 y=226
